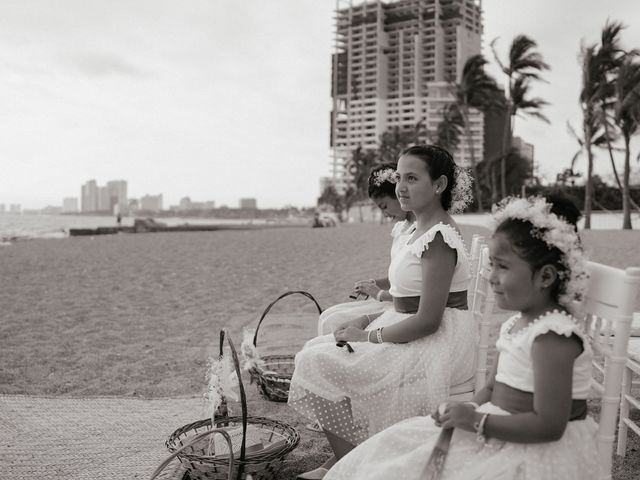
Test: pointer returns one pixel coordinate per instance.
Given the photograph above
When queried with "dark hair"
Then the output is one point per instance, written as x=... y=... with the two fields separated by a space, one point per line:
x=527 y=243
x=386 y=188
x=439 y=162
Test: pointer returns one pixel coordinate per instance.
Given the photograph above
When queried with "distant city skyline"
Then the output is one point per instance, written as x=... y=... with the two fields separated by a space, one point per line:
x=225 y=100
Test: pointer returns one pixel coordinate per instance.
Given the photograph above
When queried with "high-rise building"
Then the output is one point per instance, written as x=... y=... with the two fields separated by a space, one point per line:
x=89 y=196
x=69 y=205
x=118 y=195
x=15 y=208
x=2 y=208
x=151 y=203
x=250 y=203
x=393 y=65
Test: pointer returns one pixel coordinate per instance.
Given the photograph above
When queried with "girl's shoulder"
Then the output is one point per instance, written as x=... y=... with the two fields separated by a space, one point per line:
x=402 y=228
x=449 y=233
x=556 y=321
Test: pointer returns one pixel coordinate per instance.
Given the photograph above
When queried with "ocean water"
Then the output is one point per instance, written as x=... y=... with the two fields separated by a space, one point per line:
x=19 y=226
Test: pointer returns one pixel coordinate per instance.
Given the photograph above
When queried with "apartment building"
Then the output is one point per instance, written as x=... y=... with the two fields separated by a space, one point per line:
x=393 y=66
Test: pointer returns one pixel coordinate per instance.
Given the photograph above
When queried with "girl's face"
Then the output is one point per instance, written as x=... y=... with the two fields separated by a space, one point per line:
x=390 y=207
x=512 y=279
x=414 y=188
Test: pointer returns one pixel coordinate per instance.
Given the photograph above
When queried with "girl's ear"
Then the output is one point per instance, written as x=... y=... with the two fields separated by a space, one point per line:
x=548 y=274
x=441 y=183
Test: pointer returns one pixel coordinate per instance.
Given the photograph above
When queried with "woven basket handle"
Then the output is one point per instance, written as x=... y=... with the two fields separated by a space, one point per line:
x=195 y=438
x=243 y=397
x=264 y=314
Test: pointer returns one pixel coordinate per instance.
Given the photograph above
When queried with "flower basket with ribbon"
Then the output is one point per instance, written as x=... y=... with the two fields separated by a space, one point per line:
x=272 y=373
x=254 y=447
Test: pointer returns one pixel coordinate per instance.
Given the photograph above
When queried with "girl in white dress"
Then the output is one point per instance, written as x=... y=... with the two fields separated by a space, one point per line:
x=382 y=190
x=401 y=363
x=529 y=422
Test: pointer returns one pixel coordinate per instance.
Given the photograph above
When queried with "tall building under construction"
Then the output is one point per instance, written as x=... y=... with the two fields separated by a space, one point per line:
x=393 y=66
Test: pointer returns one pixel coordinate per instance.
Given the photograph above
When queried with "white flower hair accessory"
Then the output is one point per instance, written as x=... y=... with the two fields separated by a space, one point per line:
x=384 y=175
x=555 y=232
x=461 y=195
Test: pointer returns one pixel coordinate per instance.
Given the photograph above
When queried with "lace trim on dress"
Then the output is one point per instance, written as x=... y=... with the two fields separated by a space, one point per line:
x=400 y=228
x=449 y=234
x=553 y=321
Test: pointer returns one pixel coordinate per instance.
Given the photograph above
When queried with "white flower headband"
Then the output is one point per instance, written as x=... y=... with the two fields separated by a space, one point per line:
x=555 y=232
x=461 y=195
x=384 y=175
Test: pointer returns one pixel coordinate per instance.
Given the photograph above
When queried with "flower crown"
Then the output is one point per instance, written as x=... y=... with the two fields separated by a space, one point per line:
x=555 y=232
x=384 y=175
x=461 y=195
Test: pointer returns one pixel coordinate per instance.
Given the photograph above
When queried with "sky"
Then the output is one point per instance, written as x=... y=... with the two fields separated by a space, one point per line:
x=223 y=99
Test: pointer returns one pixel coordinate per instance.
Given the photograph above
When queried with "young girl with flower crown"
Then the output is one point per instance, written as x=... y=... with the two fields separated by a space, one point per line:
x=530 y=421
x=402 y=362
x=382 y=191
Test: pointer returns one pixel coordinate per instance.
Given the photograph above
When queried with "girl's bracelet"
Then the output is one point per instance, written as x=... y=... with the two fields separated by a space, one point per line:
x=379 y=335
x=379 y=296
x=475 y=405
x=479 y=428
x=369 y=336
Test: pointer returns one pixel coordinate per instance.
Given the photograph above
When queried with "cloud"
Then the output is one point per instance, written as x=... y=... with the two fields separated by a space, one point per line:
x=97 y=64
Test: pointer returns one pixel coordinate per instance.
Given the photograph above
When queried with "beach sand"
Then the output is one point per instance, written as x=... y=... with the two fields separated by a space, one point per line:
x=138 y=315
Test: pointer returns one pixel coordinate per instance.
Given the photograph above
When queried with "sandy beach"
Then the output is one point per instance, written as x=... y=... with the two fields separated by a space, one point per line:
x=138 y=315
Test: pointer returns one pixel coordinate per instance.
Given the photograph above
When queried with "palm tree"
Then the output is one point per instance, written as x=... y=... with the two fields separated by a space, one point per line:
x=450 y=127
x=590 y=96
x=627 y=114
x=523 y=66
x=477 y=90
x=359 y=166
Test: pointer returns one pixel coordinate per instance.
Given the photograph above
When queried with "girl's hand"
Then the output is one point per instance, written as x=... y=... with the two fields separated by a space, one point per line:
x=368 y=287
x=456 y=415
x=351 y=334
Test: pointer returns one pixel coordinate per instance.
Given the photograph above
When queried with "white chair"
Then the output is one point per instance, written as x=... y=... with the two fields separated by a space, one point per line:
x=608 y=306
x=477 y=242
x=627 y=400
x=481 y=312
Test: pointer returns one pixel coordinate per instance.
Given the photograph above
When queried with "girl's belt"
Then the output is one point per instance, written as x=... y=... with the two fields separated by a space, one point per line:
x=410 y=304
x=517 y=401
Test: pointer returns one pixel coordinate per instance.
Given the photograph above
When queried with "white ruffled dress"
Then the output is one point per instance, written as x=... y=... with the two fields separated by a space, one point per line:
x=403 y=450
x=355 y=395
x=336 y=316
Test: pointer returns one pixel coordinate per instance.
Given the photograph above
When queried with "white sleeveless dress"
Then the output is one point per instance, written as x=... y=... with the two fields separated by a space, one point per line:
x=336 y=316
x=402 y=450
x=355 y=395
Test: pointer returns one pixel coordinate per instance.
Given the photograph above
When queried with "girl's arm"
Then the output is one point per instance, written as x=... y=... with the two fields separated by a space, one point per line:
x=438 y=264
x=383 y=283
x=484 y=395
x=553 y=357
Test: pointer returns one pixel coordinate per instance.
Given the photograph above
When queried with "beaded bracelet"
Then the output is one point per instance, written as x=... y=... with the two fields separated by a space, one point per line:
x=379 y=334
x=479 y=428
x=379 y=296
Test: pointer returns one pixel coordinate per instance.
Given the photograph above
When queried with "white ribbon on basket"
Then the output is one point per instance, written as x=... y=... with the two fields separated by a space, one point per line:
x=251 y=358
x=222 y=381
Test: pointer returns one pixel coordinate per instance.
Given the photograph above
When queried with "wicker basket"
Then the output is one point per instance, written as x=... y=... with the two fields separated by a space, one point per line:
x=188 y=445
x=274 y=376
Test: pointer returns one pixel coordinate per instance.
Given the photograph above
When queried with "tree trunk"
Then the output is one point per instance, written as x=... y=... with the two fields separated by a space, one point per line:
x=506 y=146
x=494 y=182
x=615 y=170
x=626 y=205
x=588 y=194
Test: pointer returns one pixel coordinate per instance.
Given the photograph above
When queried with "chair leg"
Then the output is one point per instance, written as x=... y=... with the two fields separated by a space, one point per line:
x=621 y=448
